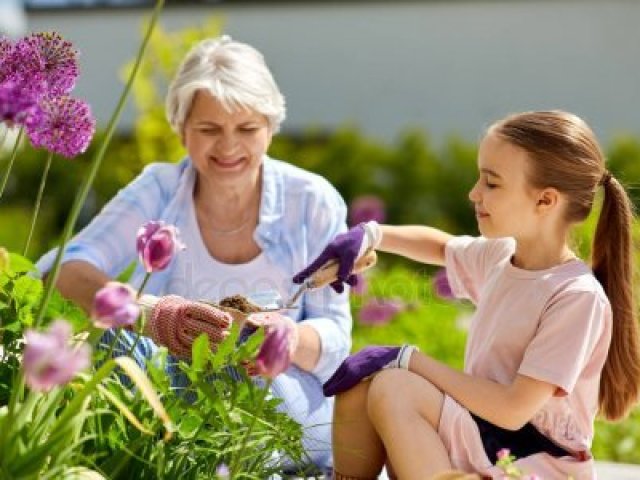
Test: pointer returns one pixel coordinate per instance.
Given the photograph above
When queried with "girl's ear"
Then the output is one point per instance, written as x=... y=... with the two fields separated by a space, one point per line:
x=548 y=199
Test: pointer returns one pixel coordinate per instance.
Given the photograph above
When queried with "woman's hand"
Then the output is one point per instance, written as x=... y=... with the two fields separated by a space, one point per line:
x=176 y=322
x=346 y=248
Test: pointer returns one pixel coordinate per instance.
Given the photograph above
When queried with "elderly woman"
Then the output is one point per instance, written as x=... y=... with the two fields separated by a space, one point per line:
x=249 y=222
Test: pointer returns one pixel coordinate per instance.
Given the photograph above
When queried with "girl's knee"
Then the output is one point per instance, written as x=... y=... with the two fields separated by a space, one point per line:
x=353 y=400
x=396 y=394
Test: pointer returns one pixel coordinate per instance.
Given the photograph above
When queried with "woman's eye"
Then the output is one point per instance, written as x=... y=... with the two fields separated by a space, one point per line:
x=248 y=129
x=490 y=185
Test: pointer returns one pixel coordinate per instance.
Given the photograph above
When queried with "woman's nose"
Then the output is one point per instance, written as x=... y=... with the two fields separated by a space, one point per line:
x=227 y=143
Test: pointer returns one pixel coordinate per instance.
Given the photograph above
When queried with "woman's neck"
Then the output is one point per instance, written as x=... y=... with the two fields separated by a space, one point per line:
x=226 y=208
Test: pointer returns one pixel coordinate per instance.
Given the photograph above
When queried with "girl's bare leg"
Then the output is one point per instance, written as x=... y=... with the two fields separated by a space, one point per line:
x=358 y=452
x=405 y=410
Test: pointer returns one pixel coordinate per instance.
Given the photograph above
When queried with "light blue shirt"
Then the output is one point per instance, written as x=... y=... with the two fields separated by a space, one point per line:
x=300 y=213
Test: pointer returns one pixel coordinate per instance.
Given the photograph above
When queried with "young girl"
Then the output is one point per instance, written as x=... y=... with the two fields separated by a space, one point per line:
x=553 y=342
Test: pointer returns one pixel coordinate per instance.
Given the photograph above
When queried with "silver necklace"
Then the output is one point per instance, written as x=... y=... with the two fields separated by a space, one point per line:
x=232 y=231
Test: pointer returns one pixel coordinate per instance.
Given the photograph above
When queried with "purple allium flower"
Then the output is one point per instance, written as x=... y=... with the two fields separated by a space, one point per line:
x=48 y=358
x=65 y=126
x=115 y=306
x=23 y=64
x=274 y=356
x=222 y=472
x=380 y=311
x=18 y=104
x=58 y=61
x=441 y=285
x=361 y=286
x=157 y=243
x=365 y=208
x=6 y=45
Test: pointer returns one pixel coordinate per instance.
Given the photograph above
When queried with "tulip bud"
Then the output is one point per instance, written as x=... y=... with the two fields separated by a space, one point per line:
x=274 y=356
x=157 y=243
x=49 y=360
x=115 y=306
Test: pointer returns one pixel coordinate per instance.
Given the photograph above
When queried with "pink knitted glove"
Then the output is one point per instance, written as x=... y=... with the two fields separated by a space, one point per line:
x=176 y=322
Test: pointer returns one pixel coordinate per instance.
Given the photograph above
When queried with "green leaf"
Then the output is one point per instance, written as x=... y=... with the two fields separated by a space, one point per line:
x=20 y=264
x=200 y=352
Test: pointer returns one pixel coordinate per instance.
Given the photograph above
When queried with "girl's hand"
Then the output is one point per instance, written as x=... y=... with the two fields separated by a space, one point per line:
x=366 y=362
x=346 y=248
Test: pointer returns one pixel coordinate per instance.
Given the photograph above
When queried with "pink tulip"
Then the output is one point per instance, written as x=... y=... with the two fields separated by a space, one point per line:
x=48 y=358
x=115 y=306
x=365 y=208
x=441 y=285
x=157 y=243
x=274 y=356
x=503 y=454
x=379 y=312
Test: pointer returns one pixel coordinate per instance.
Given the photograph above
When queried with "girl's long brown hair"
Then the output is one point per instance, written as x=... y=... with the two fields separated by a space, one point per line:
x=565 y=155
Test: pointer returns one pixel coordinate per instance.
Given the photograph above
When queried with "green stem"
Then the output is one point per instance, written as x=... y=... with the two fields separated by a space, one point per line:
x=235 y=464
x=36 y=208
x=93 y=170
x=142 y=319
x=14 y=153
x=113 y=343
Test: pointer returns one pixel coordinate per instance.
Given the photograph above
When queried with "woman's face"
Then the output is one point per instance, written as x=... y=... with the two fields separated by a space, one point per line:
x=226 y=147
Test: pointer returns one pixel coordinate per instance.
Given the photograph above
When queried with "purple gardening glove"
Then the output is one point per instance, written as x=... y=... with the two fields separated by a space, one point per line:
x=345 y=248
x=358 y=366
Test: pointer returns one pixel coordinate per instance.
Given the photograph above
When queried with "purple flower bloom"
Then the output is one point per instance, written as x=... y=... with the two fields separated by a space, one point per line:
x=18 y=104
x=24 y=65
x=365 y=208
x=361 y=287
x=157 y=243
x=380 y=311
x=115 y=306
x=441 y=285
x=48 y=358
x=222 y=472
x=57 y=63
x=274 y=356
x=6 y=45
x=65 y=126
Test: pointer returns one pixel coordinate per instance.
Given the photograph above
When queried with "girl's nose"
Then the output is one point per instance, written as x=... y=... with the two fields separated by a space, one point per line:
x=474 y=196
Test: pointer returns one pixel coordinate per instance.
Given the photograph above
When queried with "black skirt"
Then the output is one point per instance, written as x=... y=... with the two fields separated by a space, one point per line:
x=521 y=443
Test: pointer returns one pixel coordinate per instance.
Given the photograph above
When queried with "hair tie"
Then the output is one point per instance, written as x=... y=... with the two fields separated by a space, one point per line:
x=606 y=178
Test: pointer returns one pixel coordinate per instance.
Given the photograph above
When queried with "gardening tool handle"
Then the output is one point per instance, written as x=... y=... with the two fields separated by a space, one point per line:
x=328 y=273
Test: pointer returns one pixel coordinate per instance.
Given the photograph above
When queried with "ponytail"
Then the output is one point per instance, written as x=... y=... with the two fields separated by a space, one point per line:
x=612 y=263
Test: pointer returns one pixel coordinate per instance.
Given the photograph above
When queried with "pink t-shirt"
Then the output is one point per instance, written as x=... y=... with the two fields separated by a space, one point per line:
x=552 y=325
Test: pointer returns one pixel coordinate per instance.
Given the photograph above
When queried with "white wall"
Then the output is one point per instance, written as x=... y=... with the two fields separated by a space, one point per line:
x=442 y=66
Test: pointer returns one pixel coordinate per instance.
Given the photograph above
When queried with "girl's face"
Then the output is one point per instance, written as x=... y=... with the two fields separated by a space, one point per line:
x=505 y=204
x=226 y=147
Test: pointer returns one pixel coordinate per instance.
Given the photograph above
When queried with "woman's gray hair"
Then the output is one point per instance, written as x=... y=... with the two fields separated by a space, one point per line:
x=234 y=73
